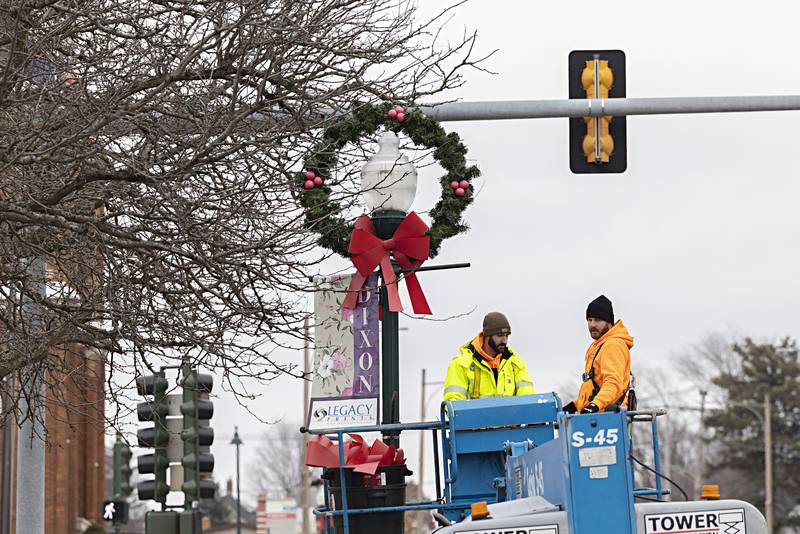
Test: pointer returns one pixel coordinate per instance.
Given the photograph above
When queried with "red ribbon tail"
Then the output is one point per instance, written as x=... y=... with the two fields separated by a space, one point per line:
x=390 y=280
x=418 y=301
x=356 y=283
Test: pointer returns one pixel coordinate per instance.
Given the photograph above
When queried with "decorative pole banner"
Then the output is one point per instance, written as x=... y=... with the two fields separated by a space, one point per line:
x=410 y=247
x=346 y=382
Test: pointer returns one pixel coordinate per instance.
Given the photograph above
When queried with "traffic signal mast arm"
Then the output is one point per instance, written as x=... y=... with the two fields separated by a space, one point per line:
x=598 y=107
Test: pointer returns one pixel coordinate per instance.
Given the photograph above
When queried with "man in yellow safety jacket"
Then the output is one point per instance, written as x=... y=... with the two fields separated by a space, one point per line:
x=487 y=367
x=607 y=371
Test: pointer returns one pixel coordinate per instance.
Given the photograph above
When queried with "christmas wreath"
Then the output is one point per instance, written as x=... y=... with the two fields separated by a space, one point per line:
x=323 y=215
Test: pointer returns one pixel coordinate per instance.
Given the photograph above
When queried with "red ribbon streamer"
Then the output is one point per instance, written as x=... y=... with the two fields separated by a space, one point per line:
x=410 y=247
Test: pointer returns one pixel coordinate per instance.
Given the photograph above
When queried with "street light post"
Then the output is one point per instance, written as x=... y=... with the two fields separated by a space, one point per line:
x=701 y=453
x=768 y=462
x=765 y=419
x=237 y=441
x=388 y=185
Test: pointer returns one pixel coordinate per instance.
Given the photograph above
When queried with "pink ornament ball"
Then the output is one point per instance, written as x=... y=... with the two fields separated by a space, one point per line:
x=460 y=192
x=317 y=181
x=453 y=185
x=309 y=184
x=392 y=113
x=309 y=175
x=463 y=184
x=401 y=117
x=399 y=110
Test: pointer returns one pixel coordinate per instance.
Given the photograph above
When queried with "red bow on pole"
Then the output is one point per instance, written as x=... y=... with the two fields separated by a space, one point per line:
x=410 y=247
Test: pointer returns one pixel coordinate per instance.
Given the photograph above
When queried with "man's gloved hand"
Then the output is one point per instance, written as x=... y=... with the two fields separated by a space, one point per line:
x=591 y=408
x=570 y=408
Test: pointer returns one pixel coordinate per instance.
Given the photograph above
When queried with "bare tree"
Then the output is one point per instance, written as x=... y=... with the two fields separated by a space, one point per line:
x=147 y=159
x=276 y=470
x=677 y=432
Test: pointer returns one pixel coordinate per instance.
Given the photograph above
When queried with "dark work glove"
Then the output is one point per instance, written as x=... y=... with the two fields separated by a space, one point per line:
x=570 y=408
x=591 y=408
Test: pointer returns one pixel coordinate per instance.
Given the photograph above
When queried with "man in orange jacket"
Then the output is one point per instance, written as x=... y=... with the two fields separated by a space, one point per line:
x=607 y=372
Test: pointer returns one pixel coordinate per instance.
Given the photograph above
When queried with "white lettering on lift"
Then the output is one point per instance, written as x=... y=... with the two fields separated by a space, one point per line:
x=544 y=529
x=699 y=522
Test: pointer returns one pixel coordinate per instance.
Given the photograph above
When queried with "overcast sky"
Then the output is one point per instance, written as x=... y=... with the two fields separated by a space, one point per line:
x=700 y=234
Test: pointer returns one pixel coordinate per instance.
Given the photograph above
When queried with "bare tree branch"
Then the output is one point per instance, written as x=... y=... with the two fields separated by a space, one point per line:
x=147 y=153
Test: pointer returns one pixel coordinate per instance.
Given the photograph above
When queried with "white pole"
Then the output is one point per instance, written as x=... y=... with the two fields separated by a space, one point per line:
x=30 y=438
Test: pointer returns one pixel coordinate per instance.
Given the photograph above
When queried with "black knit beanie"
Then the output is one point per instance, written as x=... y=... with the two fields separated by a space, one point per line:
x=600 y=308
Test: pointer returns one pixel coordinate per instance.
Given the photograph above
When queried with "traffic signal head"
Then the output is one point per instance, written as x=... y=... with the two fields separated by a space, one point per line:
x=152 y=384
x=155 y=437
x=122 y=468
x=597 y=144
x=155 y=490
x=196 y=411
x=152 y=463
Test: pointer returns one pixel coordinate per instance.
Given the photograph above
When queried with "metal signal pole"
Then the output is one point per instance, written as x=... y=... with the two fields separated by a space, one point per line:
x=768 y=463
x=237 y=441
x=304 y=474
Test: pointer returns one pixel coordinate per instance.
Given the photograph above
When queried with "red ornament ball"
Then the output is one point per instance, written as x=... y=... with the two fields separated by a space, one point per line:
x=309 y=184
x=317 y=181
x=392 y=113
x=398 y=109
x=401 y=117
x=460 y=192
x=453 y=185
x=309 y=175
x=463 y=184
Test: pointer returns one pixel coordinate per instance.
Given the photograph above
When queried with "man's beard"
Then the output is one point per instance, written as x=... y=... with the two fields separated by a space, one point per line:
x=597 y=333
x=499 y=349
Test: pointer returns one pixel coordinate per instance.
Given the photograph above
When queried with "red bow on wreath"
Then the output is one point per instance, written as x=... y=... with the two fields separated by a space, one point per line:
x=410 y=247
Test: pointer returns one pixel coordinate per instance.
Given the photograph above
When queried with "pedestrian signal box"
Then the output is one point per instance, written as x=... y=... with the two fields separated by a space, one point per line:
x=597 y=144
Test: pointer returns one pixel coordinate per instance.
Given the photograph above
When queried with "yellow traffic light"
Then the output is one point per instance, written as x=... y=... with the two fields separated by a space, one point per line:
x=597 y=144
x=605 y=78
x=598 y=127
x=597 y=79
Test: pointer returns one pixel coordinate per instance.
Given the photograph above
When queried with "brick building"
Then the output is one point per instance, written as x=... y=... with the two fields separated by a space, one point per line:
x=74 y=455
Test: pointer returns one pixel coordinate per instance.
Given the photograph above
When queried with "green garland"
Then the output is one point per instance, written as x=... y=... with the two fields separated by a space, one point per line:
x=323 y=214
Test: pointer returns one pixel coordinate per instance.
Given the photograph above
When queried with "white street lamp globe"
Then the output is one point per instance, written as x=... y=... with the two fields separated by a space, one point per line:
x=389 y=179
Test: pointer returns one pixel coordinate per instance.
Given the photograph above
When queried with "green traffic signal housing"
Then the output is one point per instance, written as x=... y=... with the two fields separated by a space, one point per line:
x=195 y=410
x=122 y=469
x=155 y=437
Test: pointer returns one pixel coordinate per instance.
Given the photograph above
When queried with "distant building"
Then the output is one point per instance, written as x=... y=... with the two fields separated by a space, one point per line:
x=74 y=461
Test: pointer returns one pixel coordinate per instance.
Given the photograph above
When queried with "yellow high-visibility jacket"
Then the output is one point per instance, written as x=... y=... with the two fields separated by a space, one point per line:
x=470 y=377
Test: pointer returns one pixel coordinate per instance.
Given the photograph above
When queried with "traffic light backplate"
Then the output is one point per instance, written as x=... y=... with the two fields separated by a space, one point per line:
x=617 y=162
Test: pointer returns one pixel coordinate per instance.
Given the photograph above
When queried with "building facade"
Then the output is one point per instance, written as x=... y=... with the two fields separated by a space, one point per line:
x=74 y=454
